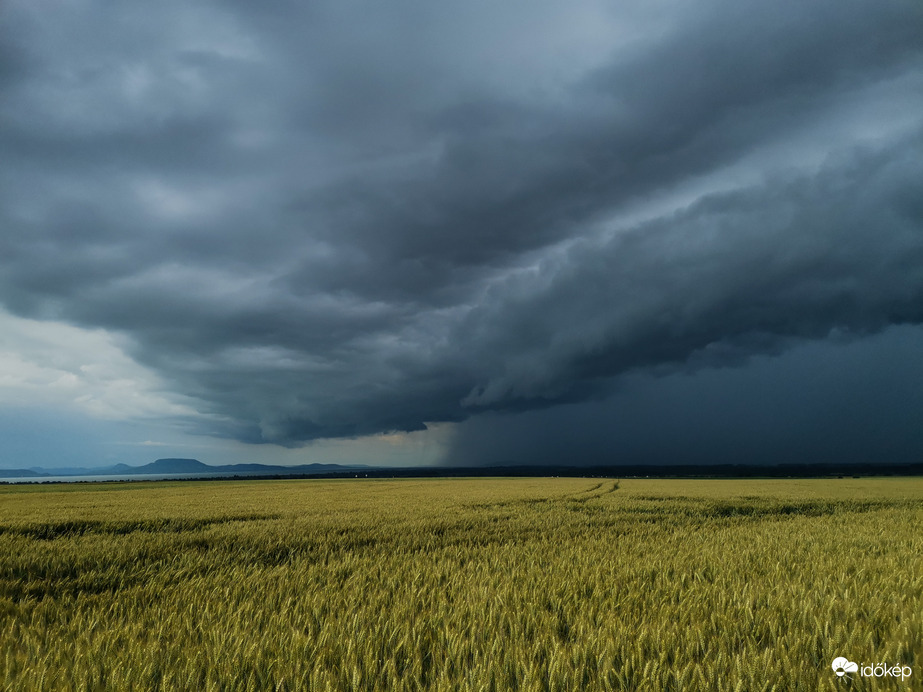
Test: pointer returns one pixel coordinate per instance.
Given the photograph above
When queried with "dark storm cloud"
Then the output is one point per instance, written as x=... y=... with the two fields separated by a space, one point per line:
x=792 y=258
x=851 y=401
x=336 y=220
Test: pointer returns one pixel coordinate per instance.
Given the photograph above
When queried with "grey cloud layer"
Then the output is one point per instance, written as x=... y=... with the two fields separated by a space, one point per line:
x=338 y=220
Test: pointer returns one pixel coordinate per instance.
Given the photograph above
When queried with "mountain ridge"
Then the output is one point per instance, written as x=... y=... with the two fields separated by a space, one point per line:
x=172 y=465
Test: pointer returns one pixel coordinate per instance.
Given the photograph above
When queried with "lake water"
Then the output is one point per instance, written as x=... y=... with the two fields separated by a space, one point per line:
x=122 y=477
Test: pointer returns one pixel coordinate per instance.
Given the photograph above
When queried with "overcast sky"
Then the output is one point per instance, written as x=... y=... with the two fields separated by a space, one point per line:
x=462 y=232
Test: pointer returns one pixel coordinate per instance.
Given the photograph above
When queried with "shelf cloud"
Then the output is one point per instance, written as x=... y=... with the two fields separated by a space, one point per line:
x=331 y=220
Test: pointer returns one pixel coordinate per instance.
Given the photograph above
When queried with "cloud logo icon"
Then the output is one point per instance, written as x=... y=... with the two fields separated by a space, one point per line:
x=841 y=666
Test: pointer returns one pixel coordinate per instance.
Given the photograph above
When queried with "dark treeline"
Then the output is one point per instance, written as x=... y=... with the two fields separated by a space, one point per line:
x=616 y=471
x=642 y=471
x=610 y=471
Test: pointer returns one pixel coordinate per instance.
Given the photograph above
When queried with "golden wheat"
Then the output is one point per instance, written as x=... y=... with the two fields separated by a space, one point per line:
x=462 y=584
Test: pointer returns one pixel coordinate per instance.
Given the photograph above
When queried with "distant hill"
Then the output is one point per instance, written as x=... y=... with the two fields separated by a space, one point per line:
x=184 y=466
x=21 y=473
x=170 y=466
x=196 y=466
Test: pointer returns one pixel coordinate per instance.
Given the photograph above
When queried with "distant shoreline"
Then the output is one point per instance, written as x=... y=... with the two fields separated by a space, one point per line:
x=719 y=471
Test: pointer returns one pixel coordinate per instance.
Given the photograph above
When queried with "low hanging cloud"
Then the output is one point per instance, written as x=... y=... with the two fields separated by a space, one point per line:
x=338 y=220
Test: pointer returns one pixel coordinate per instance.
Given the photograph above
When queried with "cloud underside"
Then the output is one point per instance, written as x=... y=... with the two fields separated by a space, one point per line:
x=331 y=221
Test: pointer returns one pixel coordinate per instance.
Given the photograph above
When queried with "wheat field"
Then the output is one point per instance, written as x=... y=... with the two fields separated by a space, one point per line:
x=461 y=584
